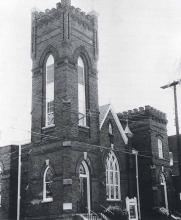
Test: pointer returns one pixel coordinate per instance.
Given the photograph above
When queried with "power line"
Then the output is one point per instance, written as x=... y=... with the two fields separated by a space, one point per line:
x=99 y=147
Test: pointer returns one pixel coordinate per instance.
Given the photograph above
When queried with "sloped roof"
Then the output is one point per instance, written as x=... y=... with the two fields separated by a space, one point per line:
x=104 y=110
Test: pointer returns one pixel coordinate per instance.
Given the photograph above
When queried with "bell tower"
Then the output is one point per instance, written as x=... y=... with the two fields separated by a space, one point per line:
x=64 y=51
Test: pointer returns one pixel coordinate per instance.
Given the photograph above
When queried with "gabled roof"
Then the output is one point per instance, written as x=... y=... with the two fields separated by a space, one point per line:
x=104 y=110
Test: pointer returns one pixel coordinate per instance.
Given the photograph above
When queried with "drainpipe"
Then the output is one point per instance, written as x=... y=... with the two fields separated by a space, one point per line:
x=19 y=183
x=137 y=183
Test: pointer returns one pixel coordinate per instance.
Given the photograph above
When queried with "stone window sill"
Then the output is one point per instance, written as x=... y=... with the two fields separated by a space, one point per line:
x=48 y=127
x=84 y=127
x=113 y=200
x=47 y=200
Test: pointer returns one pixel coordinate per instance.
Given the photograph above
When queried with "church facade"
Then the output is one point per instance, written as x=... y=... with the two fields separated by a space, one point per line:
x=80 y=159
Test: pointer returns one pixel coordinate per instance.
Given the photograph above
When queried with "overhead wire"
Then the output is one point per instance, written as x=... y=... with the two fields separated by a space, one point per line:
x=99 y=147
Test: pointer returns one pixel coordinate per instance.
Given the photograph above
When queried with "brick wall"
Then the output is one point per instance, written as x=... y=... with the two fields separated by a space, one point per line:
x=122 y=157
x=147 y=125
x=9 y=162
x=64 y=158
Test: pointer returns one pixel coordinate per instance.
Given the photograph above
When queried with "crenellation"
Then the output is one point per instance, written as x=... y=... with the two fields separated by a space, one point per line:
x=43 y=17
x=149 y=111
x=148 y=107
x=58 y=5
x=135 y=110
x=47 y=11
x=130 y=112
x=141 y=109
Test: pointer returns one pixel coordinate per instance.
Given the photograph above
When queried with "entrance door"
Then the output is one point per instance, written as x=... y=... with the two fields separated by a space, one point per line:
x=164 y=191
x=84 y=179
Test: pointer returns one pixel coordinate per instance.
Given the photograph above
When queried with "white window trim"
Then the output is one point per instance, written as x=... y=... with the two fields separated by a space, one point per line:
x=48 y=126
x=82 y=87
x=111 y=154
x=87 y=176
x=48 y=99
x=110 y=128
x=164 y=184
x=45 y=199
x=171 y=158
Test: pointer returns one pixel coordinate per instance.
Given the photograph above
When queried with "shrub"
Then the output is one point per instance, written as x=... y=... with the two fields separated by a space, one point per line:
x=116 y=213
x=161 y=212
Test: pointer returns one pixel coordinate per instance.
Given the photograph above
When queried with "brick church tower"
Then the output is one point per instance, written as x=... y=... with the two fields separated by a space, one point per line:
x=64 y=162
x=64 y=54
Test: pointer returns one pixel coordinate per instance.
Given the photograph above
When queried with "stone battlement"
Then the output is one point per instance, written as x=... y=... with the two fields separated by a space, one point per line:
x=76 y=13
x=146 y=111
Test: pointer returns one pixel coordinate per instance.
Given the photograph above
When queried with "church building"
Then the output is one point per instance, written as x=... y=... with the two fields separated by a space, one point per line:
x=80 y=160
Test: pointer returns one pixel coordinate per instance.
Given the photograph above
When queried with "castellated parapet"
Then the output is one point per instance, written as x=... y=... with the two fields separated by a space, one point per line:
x=146 y=112
x=42 y=18
x=67 y=24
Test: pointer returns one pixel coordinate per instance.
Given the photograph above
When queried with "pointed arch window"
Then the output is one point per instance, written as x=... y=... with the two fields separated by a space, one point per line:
x=160 y=149
x=47 y=183
x=84 y=178
x=49 y=91
x=81 y=93
x=112 y=177
x=110 y=129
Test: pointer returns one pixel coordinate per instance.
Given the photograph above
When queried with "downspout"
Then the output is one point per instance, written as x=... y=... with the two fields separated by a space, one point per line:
x=19 y=183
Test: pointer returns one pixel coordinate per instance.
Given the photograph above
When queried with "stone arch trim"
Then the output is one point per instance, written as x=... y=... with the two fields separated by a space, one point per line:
x=105 y=155
x=43 y=168
x=82 y=52
x=45 y=54
x=88 y=162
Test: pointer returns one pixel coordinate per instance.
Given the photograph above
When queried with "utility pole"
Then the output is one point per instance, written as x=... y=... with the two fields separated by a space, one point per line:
x=19 y=183
x=174 y=85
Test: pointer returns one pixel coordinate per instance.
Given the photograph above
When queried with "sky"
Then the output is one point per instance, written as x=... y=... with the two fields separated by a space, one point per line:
x=139 y=51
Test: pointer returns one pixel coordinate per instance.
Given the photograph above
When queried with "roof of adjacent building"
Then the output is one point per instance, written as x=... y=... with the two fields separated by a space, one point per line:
x=172 y=141
x=104 y=110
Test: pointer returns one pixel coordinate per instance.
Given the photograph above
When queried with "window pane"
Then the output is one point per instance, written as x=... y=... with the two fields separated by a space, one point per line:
x=107 y=190
x=81 y=75
x=48 y=179
x=49 y=175
x=48 y=190
x=112 y=177
x=160 y=149
x=112 y=192
x=171 y=158
x=117 y=192
x=110 y=129
x=81 y=93
x=50 y=91
x=81 y=169
x=50 y=74
x=50 y=113
x=116 y=178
